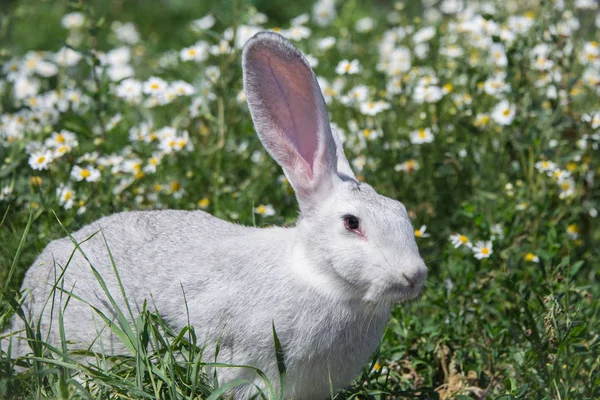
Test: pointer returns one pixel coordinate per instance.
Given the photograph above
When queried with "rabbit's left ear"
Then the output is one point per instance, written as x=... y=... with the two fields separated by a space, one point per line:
x=290 y=116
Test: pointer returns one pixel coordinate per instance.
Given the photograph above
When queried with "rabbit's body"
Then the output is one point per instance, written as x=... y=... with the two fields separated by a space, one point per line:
x=179 y=252
x=327 y=284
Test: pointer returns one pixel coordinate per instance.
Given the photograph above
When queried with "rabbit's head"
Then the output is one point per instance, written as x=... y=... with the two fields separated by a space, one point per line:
x=351 y=242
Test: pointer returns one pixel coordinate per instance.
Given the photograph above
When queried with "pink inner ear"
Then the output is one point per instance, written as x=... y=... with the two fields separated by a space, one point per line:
x=288 y=90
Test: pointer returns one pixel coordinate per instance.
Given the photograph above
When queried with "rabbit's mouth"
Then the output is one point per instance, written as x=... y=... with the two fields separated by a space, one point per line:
x=399 y=292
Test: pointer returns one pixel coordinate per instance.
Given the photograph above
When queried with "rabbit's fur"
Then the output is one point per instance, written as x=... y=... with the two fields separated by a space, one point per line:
x=327 y=288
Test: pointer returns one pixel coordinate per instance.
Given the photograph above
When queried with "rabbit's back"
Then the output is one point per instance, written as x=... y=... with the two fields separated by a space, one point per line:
x=152 y=252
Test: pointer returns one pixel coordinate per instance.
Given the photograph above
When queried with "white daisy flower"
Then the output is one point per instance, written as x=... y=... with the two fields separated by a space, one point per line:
x=326 y=43
x=66 y=57
x=154 y=86
x=365 y=24
x=89 y=174
x=421 y=232
x=73 y=20
x=545 y=166
x=265 y=210
x=40 y=160
x=204 y=23
x=297 y=33
x=66 y=196
x=198 y=52
x=408 y=166
x=346 y=67
x=420 y=136
x=458 y=240
x=482 y=249
x=504 y=113
x=129 y=90
x=373 y=107
x=324 y=12
x=532 y=258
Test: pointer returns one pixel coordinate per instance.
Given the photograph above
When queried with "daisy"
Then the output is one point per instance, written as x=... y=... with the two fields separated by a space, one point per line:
x=73 y=20
x=324 y=12
x=545 y=166
x=204 y=23
x=198 y=52
x=40 y=160
x=532 y=258
x=66 y=196
x=421 y=232
x=504 y=113
x=297 y=33
x=458 y=240
x=408 y=166
x=573 y=231
x=567 y=187
x=498 y=55
x=326 y=43
x=66 y=57
x=154 y=86
x=420 y=136
x=373 y=107
x=482 y=249
x=130 y=90
x=365 y=24
x=348 y=67
x=181 y=88
x=265 y=210
x=89 y=174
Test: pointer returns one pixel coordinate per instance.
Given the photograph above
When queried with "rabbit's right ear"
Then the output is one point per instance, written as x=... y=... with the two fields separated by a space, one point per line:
x=290 y=117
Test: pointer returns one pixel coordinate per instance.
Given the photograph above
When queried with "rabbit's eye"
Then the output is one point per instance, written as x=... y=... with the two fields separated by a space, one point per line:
x=351 y=222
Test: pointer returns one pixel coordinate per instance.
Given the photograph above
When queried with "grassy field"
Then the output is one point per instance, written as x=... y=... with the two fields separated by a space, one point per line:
x=484 y=121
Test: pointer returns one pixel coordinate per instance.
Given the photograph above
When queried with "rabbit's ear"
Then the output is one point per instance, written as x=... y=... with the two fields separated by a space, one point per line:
x=290 y=116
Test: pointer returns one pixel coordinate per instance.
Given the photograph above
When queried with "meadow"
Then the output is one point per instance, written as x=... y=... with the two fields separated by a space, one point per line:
x=483 y=119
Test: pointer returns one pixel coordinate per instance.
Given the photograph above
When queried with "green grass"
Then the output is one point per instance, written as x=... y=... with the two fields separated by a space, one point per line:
x=503 y=327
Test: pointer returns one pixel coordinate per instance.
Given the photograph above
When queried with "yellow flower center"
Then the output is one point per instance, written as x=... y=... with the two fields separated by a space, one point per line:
x=60 y=138
x=41 y=159
x=348 y=66
x=422 y=134
x=85 y=173
x=203 y=203
x=367 y=133
x=506 y=112
x=572 y=228
x=485 y=251
x=418 y=233
x=68 y=195
x=529 y=257
x=154 y=86
x=463 y=239
x=261 y=209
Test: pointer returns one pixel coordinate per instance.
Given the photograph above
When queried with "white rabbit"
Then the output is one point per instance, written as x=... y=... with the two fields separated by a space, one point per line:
x=327 y=284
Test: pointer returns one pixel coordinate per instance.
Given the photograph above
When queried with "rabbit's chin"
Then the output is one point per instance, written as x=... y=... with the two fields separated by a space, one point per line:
x=394 y=293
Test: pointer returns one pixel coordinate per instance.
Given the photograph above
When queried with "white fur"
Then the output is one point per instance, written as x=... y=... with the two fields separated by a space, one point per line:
x=328 y=290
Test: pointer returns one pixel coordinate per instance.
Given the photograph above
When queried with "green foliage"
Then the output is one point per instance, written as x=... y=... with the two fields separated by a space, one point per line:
x=521 y=322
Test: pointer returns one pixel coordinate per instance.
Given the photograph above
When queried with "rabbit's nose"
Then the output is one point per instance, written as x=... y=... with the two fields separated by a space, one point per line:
x=415 y=273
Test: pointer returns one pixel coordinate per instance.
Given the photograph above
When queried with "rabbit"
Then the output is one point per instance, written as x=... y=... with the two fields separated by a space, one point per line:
x=327 y=284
